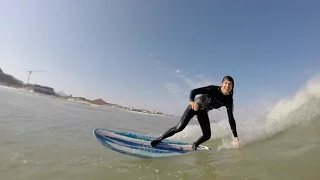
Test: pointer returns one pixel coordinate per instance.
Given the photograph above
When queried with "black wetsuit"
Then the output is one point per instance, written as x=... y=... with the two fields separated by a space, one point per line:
x=211 y=98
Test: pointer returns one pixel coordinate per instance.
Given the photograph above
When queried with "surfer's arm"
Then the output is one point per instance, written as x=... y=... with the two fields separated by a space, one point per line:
x=201 y=90
x=232 y=121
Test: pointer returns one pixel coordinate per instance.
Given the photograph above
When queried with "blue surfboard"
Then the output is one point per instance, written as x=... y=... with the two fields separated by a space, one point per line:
x=138 y=145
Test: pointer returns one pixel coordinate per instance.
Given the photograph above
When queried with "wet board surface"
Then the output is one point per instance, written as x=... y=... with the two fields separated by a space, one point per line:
x=138 y=145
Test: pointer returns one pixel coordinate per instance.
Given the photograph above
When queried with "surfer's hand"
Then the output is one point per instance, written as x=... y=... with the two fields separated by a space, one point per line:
x=236 y=140
x=194 y=105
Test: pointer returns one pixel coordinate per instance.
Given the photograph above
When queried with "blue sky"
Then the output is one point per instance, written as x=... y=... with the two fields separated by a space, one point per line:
x=150 y=54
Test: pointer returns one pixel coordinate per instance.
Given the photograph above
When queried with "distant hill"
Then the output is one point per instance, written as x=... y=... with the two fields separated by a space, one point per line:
x=8 y=80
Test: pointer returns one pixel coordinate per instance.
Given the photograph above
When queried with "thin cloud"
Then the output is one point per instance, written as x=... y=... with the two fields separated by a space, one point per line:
x=162 y=69
x=188 y=82
x=180 y=82
x=198 y=82
x=172 y=88
x=200 y=76
x=150 y=54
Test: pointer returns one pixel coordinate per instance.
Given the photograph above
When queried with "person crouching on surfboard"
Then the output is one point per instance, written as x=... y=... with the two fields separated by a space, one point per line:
x=212 y=97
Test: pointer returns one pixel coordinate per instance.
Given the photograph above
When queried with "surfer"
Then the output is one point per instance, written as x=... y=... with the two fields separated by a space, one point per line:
x=212 y=97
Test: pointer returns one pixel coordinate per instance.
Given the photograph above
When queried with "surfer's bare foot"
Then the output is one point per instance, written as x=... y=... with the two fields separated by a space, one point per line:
x=154 y=142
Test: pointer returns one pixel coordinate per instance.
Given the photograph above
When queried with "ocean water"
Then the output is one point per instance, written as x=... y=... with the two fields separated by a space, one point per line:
x=43 y=138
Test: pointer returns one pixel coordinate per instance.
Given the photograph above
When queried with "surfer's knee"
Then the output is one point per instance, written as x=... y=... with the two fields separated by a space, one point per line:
x=179 y=128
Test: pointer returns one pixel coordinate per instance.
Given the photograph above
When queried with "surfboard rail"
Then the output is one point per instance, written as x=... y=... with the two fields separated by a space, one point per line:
x=138 y=145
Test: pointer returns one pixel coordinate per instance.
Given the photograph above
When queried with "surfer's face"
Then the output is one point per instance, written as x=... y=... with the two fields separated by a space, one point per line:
x=226 y=87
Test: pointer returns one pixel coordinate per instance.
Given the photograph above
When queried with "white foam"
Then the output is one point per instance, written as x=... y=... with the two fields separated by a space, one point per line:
x=296 y=109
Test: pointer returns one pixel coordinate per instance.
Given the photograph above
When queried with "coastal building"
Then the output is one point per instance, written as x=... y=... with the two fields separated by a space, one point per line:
x=43 y=89
x=99 y=102
x=155 y=112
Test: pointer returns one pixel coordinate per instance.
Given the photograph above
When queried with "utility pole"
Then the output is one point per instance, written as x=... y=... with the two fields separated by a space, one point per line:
x=30 y=72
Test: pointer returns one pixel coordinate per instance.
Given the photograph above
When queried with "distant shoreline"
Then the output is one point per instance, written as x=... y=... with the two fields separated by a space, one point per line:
x=84 y=101
x=137 y=112
x=113 y=106
x=7 y=80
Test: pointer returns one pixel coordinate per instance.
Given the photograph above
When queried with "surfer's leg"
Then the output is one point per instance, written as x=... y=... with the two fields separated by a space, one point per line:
x=185 y=119
x=205 y=127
